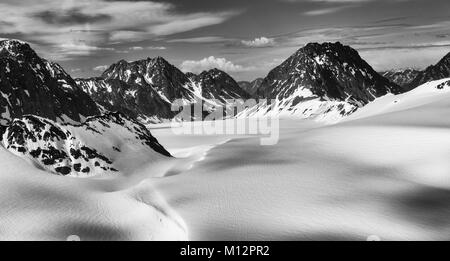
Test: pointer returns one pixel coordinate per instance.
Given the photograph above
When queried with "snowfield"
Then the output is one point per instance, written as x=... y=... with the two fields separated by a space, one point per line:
x=383 y=171
x=36 y=205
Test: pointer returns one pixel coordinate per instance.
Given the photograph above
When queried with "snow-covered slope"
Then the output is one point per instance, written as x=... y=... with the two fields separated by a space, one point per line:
x=324 y=81
x=38 y=206
x=383 y=174
x=432 y=94
x=32 y=85
x=95 y=147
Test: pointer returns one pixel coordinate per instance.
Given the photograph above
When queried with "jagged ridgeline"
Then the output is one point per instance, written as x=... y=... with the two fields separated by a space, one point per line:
x=323 y=81
x=147 y=88
x=48 y=120
x=330 y=71
x=32 y=85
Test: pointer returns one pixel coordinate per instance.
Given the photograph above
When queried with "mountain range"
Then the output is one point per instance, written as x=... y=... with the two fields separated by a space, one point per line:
x=147 y=88
x=83 y=127
x=47 y=119
x=322 y=81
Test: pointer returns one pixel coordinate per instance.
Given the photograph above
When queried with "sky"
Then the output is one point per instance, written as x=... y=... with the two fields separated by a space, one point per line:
x=244 y=38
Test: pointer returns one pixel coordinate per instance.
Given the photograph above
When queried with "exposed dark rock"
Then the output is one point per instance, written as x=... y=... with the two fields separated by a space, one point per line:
x=330 y=71
x=32 y=85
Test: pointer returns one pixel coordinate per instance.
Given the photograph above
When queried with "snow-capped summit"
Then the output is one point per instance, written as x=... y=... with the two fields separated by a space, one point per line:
x=330 y=71
x=142 y=89
x=434 y=72
x=147 y=88
x=326 y=81
x=156 y=73
x=32 y=85
x=16 y=48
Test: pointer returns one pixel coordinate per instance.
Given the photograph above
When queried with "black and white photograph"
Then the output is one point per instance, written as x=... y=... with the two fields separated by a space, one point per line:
x=225 y=120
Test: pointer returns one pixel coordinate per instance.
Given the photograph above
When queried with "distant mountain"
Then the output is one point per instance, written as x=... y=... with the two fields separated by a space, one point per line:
x=251 y=87
x=402 y=77
x=129 y=98
x=156 y=73
x=324 y=81
x=435 y=72
x=32 y=85
x=147 y=88
x=88 y=149
x=216 y=84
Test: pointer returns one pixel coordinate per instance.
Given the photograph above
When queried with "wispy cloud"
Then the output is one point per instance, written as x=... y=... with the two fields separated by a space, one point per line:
x=94 y=24
x=259 y=42
x=100 y=68
x=141 y=48
x=325 y=11
x=203 y=39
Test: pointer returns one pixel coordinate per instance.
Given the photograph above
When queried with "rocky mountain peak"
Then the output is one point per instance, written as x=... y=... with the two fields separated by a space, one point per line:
x=328 y=70
x=15 y=48
x=32 y=85
x=217 y=84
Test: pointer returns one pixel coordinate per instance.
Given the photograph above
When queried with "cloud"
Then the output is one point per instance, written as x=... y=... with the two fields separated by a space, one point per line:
x=97 y=23
x=156 y=48
x=204 y=39
x=80 y=49
x=259 y=42
x=100 y=68
x=136 y=48
x=325 y=11
x=71 y=16
x=211 y=63
x=190 y=22
x=140 y=48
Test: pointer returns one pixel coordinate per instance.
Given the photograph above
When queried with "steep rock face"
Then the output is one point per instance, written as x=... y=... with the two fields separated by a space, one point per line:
x=435 y=72
x=251 y=87
x=84 y=150
x=216 y=84
x=146 y=89
x=137 y=101
x=167 y=80
x=325 y=81
x=402 y=78
x=143 y=89
x=330 y=71
x=32 y=85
